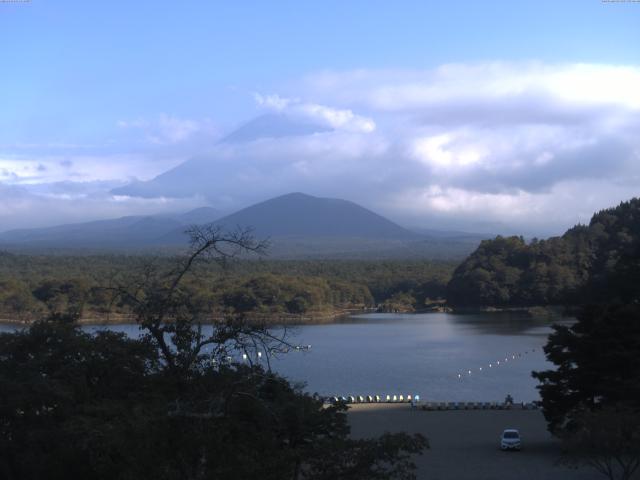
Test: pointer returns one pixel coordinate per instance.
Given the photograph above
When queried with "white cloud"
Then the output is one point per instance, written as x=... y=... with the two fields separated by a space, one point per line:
x=450 y=200
x=52 y=204
x=273 y=102
x=548 y=213
x=33 y=169
x=339 y=119
x=443 y=151
x=574 y=84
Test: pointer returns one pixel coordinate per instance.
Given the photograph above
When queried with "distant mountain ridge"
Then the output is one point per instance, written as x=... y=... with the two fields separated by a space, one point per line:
x=297 y=225
x=124 y=232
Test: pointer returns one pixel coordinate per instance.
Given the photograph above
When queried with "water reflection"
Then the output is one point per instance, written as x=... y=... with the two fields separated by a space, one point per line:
x=503 y=323
x=486 y=323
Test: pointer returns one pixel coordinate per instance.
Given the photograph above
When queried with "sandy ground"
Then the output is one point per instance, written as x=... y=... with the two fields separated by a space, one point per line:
x=465 y=443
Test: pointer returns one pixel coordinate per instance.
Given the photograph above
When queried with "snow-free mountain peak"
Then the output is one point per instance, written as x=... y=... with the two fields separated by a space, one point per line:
x=298 y=214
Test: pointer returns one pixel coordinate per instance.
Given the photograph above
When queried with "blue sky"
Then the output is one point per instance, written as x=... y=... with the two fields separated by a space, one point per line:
x=75 y=68
x=130 y=89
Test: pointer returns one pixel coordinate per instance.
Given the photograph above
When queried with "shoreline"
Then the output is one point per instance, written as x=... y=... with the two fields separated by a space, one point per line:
x=311 y=318
x=281 y=319
x=549 y=310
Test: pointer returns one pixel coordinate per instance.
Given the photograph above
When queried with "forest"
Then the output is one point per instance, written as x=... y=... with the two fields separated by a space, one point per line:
x=32 y=286
x=597 y=262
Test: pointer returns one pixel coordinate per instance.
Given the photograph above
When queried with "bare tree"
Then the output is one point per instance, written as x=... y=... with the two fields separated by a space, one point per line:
x=174 y=321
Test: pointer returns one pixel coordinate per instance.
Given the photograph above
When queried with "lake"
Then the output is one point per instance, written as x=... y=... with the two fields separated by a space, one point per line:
x=426 y=354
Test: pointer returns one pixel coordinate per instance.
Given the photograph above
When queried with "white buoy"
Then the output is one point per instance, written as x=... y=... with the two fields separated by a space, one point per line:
x=244 y=356
x=489 y=365
x=469 y=372
x=259 y=354
x=480 y=368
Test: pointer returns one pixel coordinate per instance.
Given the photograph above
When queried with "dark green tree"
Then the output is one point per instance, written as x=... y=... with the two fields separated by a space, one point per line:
x=597 y=364
x=592 y=399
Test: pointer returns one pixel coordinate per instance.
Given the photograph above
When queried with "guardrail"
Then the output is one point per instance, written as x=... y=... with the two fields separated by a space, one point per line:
x=430 y=406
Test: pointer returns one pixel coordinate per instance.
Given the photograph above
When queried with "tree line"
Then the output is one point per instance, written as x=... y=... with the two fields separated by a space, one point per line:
x=591 y=399
x=37 y=285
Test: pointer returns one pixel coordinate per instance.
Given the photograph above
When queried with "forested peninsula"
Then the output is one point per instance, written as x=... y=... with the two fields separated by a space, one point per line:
x=598 y=262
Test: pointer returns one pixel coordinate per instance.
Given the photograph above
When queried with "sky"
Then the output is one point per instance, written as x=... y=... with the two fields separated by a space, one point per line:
x=492 y=116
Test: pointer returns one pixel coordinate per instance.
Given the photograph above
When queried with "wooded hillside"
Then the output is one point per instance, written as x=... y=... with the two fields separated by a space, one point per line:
x=595 y=262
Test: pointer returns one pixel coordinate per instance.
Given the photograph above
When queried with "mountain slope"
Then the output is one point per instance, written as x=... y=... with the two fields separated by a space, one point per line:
x=297 y=214
x=124 y=232
x=198 y=216
x=302 y=226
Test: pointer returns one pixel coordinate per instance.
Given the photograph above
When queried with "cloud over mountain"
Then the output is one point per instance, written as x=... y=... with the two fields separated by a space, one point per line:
x=483 y=143
x=335 y=118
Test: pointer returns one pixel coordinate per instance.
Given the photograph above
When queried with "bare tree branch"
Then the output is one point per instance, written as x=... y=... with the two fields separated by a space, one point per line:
x=173 y=321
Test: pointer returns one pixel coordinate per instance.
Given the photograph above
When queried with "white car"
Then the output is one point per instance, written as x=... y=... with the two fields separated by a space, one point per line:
x=510 y=440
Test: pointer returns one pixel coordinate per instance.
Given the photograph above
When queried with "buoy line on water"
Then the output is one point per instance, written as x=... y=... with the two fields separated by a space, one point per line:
x=257 y=355
x=495 y=364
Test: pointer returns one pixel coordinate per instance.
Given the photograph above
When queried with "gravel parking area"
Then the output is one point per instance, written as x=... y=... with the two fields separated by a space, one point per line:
x=466 y=444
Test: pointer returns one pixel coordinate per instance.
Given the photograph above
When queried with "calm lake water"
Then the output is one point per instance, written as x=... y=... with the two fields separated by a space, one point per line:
x=380 y=354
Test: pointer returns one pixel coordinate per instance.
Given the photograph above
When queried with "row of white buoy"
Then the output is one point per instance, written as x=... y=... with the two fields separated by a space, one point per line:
x=497 y=363
x=229 y=358
x=374 y=399
x=245 y=357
